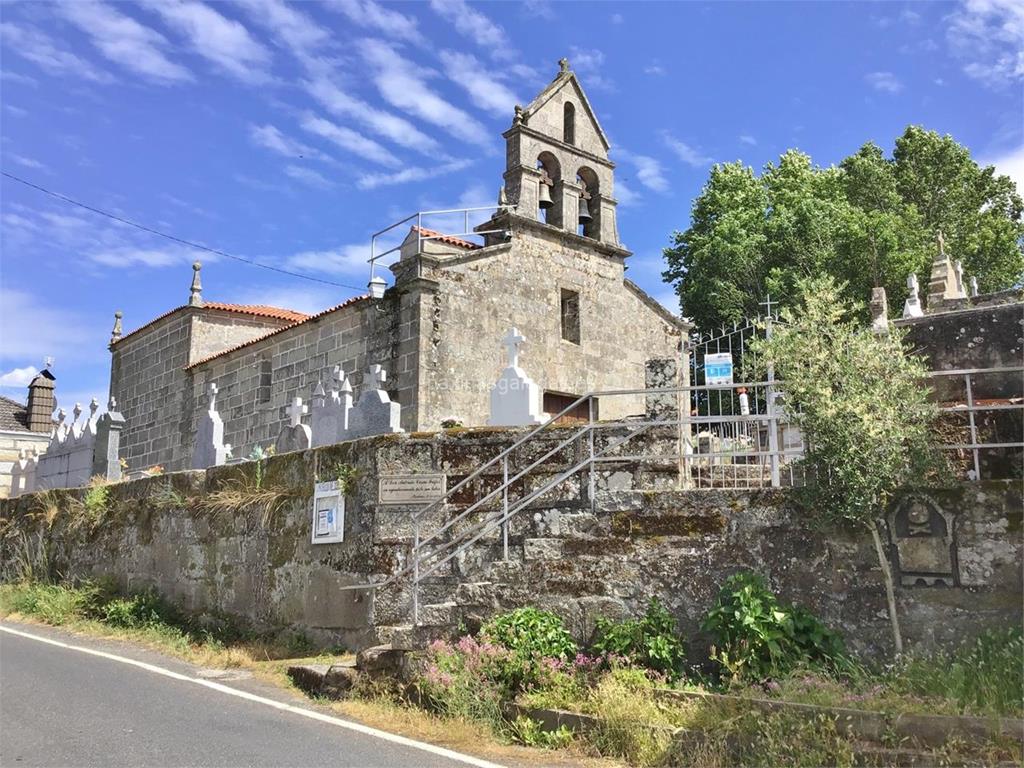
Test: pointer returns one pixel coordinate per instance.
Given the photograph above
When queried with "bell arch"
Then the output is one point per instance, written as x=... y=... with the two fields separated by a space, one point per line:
x=549 y=206
x=589 y=205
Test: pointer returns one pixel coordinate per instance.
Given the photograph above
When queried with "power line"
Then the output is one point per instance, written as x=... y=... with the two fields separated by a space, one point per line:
x=182 y=241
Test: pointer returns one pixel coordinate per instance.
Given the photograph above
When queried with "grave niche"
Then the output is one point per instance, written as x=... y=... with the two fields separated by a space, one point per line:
x=923 y=543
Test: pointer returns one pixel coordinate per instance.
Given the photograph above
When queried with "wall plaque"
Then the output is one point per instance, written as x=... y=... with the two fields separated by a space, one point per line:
x=925 y=548
x=328 y=513
x=411 y=489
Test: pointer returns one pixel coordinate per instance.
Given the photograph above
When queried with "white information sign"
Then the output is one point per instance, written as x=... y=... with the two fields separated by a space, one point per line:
x=718 y=368
x=411 y=489
x=328 y=513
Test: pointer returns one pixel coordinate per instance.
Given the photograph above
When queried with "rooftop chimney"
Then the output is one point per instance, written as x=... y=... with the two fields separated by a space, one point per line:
x=41 y=400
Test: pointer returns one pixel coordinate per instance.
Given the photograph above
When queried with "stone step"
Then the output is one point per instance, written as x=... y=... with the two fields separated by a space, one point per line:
x=407 y=637
x=444 y=614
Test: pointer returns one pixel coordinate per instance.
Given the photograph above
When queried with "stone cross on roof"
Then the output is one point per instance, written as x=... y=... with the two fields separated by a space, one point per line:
x=296 y=411
x=376 y=376
x=212 y=390
x=512 y=341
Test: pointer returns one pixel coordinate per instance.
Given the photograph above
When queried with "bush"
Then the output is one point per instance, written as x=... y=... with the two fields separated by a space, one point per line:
x=530 y=635
x=756 y=637
x=466 y=680
x=143 y=610
x=650 y=642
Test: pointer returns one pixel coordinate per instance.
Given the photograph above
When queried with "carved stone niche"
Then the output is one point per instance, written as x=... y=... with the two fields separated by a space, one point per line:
x=922 y=540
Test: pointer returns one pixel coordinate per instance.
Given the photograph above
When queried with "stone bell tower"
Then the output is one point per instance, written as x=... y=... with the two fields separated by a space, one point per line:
x=557 y=167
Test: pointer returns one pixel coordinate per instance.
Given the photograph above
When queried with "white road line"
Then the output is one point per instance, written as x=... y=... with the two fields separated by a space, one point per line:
x=312 y=715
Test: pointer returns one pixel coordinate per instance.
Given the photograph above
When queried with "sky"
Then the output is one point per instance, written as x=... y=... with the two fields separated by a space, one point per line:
x=287 y=133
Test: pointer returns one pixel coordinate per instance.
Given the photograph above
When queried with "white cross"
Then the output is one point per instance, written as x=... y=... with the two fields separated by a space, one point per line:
x=296 y=411
x=768 y=303
x=511 y=342
x=212 y=389
x=912 y=285
x=337 y=375
x=376 y=376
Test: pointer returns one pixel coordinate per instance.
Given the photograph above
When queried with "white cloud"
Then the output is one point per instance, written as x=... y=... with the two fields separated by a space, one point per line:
x=625 y=194
x=483 y=87
x=350 y=140
x=296 y=31
x=123 y=40
x=269 y=137
x=16 y=111
x=344 y=260
x=988 y=37
x=886 y=82
x=374 y=180
x=54 y=331
x=587 y=62
x=391 y=127
x=648 y=170
x=654 y=69
x=473 y=24
x=401 y=84
x=370 y=14
x=1010 y=164
x=129 y=256
x=16 y=77
x=223 y=41
x=748 y=139
x=616 y=18
x=308 y=176
x=539 y=9
x=689 y=155
x=28 y=162
x=308 y=300
x=18 y=377
x=41 y=50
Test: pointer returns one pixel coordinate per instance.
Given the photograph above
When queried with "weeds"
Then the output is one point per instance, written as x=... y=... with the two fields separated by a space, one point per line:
x=530 y=732
x=241 y=494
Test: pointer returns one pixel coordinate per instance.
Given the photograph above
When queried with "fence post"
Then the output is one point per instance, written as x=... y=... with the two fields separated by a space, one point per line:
x=773 y=419
x=504 y=513
x=974 y=427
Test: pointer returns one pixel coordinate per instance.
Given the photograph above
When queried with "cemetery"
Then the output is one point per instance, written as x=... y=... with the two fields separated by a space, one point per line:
x=514 y=426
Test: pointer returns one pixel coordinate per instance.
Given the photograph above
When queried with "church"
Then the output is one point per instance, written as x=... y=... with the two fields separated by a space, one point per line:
x=548 y=262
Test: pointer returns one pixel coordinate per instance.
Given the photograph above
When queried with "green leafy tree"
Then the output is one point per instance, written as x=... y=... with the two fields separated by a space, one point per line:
x=869 y=222
x=860 y=401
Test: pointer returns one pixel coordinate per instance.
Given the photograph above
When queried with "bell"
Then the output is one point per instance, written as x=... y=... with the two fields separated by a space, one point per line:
x=584 y=211
x=544 y=200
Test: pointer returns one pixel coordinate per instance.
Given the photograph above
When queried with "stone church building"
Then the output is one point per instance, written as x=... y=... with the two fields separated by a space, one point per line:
x=550 y=264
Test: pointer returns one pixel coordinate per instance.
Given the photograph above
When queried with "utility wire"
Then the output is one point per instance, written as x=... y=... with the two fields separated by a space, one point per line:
x=180 y=240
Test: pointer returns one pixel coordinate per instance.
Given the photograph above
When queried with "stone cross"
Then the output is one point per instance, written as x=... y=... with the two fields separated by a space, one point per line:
x=513 y=339
x=879 y=310
x=212 y=390
x=208 y=448
x=296 y=411
x=912 y=306
x=376 y=376
x=958 y=269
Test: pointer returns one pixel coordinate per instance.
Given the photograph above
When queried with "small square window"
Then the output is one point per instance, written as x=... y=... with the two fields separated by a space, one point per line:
x=570 y=308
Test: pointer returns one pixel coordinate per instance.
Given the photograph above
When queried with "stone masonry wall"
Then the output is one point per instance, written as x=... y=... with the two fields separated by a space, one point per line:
x=11 y=444
x=578 y=558
x=479 y=297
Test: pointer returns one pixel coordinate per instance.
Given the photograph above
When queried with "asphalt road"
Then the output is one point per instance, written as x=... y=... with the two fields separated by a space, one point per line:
x=63 y=707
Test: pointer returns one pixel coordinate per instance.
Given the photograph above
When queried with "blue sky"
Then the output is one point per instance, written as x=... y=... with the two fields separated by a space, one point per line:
x=287 y=133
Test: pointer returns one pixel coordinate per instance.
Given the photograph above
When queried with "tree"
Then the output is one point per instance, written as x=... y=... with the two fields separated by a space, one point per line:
x=861 y=404
x=869 y=222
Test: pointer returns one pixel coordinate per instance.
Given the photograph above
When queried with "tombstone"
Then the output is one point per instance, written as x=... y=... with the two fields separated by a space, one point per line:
x=912 y=306
x=209 y=449
x=329 y=414
x=922 y=537
x=294 y=436
x=23 y=473
x=374 y=413
x=105 y=459
x=879 y=310
x=943 y=284
x=974 y=287
x=515 y=398
x=958 y=272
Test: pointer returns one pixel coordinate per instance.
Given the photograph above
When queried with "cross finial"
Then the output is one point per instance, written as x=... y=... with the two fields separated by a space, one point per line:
x=195 y=298
x=376 y=376
x=211 y=390
x=768 y=304
x=512 y=341
x=296 y=411
x=48 y=362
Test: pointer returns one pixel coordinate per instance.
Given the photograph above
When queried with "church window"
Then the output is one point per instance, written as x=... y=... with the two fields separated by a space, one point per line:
x=569 y=125
x=570 y=309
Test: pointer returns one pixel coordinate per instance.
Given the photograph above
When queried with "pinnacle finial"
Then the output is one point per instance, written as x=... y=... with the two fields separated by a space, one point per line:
x=195 y=298
x=563 y=65
x=115 y=334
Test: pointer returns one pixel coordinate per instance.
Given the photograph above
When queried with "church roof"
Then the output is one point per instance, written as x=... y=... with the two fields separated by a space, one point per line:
x=254 y=310
x=274 y=332
x=13 y=415
x=563 y=77
x=440 y=237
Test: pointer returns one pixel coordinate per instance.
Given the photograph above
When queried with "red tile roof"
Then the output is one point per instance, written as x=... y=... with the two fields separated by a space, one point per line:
x=255 y=310
x=457 y=241
x=305 y=319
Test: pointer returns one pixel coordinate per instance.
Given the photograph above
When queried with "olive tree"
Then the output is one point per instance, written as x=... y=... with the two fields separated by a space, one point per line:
x=863 y=406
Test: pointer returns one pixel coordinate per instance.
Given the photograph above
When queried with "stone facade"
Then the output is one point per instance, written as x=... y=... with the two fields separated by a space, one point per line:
x=437 y=330
x=578 y=558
